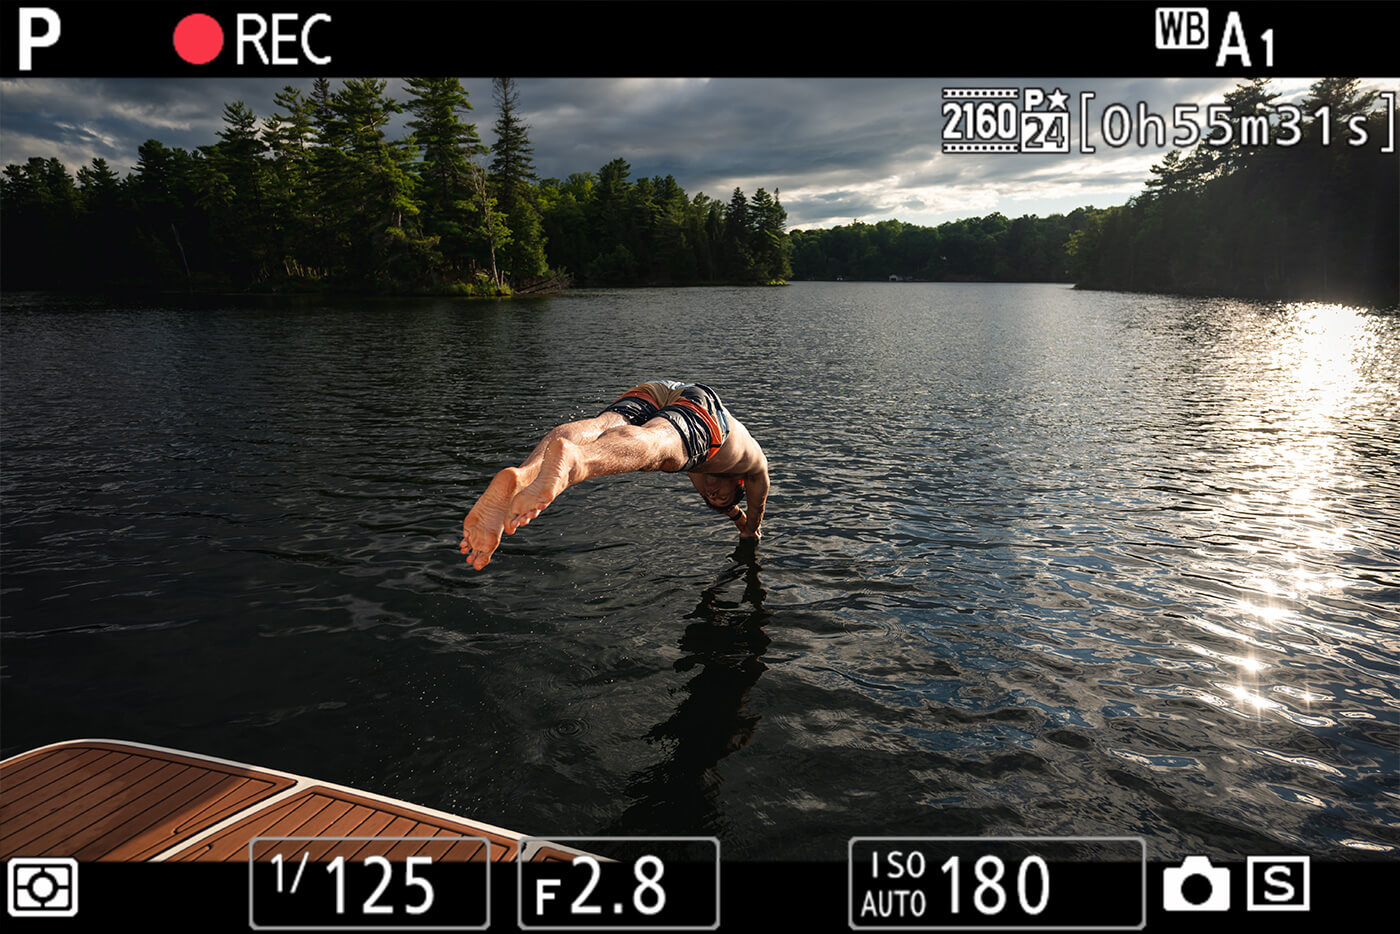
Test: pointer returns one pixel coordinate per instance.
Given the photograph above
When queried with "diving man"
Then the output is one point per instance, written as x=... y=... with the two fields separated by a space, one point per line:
x=658 y=425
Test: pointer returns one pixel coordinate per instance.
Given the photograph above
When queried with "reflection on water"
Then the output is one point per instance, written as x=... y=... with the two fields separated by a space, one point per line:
x=1037 y=562
x=723 y=650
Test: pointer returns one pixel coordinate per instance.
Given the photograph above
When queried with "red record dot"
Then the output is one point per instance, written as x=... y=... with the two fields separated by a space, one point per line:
x=198 y=39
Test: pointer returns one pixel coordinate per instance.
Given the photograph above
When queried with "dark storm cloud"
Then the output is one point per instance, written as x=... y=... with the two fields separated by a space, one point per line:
x=720 y=130
x=847 y=205
x=716 y=135
x=78 y=119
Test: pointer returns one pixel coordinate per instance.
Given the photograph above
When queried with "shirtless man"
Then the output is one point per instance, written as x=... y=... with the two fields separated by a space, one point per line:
x=659 y=425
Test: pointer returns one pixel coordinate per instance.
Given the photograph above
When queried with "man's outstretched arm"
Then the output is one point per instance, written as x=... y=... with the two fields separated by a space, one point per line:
x=756 y=494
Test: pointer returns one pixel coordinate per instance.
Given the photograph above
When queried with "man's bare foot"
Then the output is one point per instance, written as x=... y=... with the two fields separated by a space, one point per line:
x=553 y=479
x=481 y=530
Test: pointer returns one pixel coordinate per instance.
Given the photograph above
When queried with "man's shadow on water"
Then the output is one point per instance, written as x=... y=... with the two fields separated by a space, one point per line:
x=725 y=640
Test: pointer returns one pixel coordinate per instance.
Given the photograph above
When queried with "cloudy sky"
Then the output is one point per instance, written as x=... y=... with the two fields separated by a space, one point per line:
x=837 y=149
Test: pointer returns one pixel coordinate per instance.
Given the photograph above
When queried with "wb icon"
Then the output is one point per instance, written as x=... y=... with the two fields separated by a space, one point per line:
x=1180 y=27
x=1278 y=883
x=45 y=887
x=1196 y=885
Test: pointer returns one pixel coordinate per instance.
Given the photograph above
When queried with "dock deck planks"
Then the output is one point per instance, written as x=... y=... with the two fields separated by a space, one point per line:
x=106 y=800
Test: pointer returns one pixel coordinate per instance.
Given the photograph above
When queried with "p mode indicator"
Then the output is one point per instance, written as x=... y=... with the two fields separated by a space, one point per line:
x=998 y=883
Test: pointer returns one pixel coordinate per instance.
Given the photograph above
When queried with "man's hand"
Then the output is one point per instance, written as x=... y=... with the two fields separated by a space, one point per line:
x=741 y=522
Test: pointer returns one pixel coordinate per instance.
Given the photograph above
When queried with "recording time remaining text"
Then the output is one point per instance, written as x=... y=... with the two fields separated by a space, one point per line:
x=1035 y=120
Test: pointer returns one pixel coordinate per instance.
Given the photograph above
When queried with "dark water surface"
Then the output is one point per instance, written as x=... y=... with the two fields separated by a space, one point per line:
x=1037 y=562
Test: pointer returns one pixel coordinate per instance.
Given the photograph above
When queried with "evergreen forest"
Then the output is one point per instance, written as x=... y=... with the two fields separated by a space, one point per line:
x=317 y=196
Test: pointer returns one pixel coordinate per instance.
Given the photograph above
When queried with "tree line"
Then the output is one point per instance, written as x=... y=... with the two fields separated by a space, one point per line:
x=979 y=249
x=620 y=232
x=317 y=195
x=1242 y=215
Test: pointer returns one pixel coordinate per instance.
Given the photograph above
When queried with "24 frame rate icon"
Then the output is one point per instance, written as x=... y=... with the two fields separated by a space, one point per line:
x=1005 y=120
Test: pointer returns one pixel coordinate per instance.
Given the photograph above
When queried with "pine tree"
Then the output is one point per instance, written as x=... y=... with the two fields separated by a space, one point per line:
x=612 y=203
x=41 y=206
x=1248 y=105
x=769 y=245
x=1169 y=176
x=165 y=191
x=1339 y=99
x=105 y=234
x=512 y=165
x=99 y=186
x=447 y=148
x=320 y=102
x=290 y=196
x=737 y=251
x=231 y=182
x=512 y=178
x=368 y=189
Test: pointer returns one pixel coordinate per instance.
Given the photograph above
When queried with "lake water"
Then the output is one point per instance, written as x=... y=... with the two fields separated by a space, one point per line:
x=1037 y=561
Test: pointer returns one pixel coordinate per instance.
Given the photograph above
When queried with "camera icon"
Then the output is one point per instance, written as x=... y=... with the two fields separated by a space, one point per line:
x=43 y=886
x=1278 y=883
x=1196 y=885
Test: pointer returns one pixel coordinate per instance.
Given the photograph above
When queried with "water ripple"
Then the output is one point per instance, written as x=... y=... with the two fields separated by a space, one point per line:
x=1036 y=561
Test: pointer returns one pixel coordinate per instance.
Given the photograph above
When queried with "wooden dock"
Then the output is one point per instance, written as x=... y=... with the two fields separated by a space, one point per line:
x=112 y=801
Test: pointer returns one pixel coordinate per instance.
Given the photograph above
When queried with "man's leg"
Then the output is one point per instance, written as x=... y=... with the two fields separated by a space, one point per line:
x=481 y=530
x=626 y=449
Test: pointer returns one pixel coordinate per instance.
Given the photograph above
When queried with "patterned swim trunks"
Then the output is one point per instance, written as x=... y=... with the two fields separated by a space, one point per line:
x=693 y=409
